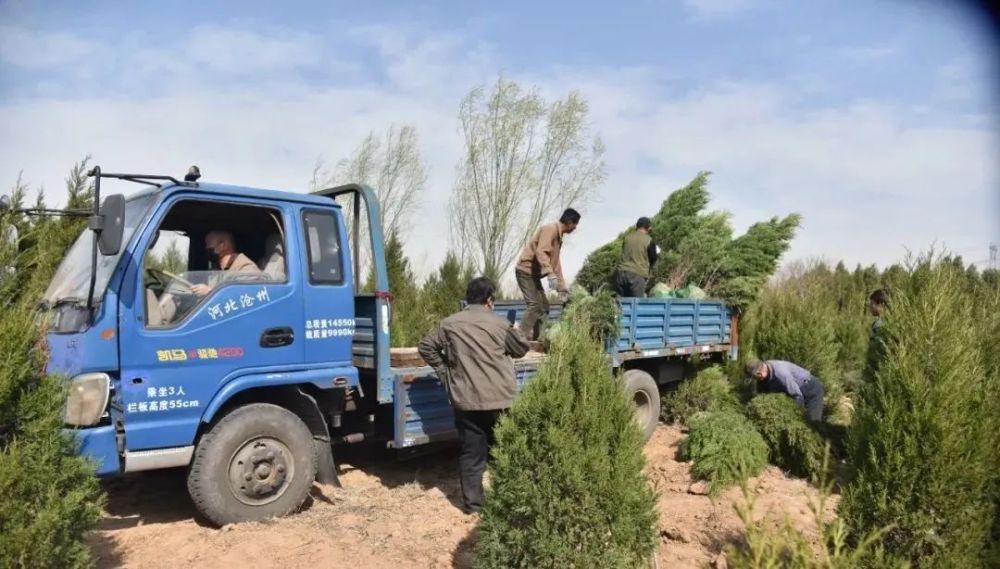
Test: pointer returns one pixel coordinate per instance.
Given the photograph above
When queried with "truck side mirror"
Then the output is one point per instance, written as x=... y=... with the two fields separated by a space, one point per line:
x=111 y=224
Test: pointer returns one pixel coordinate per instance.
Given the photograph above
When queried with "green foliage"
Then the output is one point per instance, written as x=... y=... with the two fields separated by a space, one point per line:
x=50 y=496
x=785 y=546
x=989 y=306
x=599 y=311
x=698 y=248
x=709 y=390
x=444 y=290
x=418 y=309
x=172 y=261
x=599 y=268
x=725 y=449
x=567 y=488
x=923 y=445
x=988 y=310
x=793 y=443
x=795 y=321
x=409 y=316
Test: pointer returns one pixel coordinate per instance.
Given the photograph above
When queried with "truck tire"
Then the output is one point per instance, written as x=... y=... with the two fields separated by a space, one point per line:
x=258 y=462
x=645 y=396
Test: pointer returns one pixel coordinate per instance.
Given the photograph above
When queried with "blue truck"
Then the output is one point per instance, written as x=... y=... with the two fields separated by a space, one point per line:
x=252 y=385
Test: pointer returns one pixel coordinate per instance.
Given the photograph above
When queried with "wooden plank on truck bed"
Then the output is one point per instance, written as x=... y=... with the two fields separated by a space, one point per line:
x=405 y=357
x=533 y=356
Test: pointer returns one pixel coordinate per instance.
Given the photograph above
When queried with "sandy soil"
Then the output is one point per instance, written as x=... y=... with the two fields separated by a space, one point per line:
x=396 y=515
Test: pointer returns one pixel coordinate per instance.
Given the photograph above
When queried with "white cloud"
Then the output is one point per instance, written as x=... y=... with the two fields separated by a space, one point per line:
x=715 y=9
x=866 y=177
x=871 y=53
x=231 y=50
x=36 y=50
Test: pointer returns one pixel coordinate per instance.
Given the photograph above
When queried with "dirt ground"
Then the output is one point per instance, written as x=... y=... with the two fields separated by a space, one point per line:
x=396 y=515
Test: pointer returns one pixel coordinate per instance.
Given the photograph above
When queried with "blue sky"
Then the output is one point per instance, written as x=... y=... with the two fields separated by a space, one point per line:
x=874 y=119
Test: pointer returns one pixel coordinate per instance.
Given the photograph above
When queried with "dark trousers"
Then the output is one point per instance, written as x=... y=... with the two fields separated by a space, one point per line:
x=629 y=285
x=812 y=392
x=475 y=435
x=537 y=312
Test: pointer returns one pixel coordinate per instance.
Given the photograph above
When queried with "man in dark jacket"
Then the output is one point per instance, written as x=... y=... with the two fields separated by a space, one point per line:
x=638 y=256
x=878 y=303
x=471 y=352
x=776 y=376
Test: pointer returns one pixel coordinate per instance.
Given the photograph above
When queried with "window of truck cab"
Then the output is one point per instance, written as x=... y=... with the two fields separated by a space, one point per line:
x=71 y=281
x=180 y=275
x=322 y=236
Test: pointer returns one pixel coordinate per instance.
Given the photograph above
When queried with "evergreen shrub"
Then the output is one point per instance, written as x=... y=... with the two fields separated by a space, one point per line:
x=924 y=425
x=725 y=448
x=709 y=390
x=793 y=444
x=567 y=484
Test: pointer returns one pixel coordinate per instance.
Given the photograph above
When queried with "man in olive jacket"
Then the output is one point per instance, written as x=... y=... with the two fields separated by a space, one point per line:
x=638 y=257
x=471 y=352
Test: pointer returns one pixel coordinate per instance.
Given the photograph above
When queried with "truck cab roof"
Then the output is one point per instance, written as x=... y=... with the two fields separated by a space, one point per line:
x=225 y=190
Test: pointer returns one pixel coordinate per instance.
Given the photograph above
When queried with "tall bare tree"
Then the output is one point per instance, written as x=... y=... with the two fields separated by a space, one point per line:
x=392 y=165
x=525 y=160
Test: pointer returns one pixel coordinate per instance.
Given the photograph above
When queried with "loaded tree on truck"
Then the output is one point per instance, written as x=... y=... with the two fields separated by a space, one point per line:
x=251 y=379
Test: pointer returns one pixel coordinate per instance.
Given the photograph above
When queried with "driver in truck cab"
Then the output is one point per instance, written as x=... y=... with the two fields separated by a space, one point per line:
x=224 y=258
x=220 y=247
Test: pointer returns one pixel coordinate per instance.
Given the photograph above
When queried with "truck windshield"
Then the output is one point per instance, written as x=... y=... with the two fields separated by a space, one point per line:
x=71 y=282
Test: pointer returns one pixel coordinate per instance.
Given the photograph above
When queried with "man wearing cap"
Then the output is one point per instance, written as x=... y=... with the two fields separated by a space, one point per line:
x=638 y=257
x=776 y=376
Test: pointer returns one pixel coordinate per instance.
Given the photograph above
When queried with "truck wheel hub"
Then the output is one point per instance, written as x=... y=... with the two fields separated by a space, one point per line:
x=640 y=402
x=259 y=471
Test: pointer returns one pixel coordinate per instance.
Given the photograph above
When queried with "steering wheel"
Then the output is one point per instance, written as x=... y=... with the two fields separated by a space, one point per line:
x=168 y=280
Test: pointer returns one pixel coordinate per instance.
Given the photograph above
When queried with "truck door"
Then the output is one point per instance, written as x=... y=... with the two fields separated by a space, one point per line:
x=179 y=343
x=328 y=291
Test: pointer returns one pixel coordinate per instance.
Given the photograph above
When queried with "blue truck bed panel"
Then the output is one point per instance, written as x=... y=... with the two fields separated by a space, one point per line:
x=659 y=323
x=653 y=323
x=421 y=408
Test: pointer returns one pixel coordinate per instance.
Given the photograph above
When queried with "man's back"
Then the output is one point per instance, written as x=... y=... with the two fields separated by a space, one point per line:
x=478 y=346
x=635 y=253
x=786 y=377
x=540 y=255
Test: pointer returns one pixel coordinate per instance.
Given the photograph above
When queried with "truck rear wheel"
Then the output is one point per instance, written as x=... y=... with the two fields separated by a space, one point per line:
x=258 y=462
x=645 y=396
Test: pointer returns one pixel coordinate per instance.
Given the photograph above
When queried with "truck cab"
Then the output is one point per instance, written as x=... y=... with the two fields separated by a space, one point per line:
x=240 y=366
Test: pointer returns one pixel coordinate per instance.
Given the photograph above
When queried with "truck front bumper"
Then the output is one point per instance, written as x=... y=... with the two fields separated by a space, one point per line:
x=99 y=444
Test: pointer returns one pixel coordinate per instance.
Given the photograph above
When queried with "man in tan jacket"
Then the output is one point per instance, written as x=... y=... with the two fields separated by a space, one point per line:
x=540 y=258
x=221 y=249
x=471 y=352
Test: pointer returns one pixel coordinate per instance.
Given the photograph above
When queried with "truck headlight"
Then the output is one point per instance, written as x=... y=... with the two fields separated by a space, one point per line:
x=88 y=398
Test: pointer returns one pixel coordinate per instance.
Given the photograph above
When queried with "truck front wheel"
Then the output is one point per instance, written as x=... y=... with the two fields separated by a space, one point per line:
x=645 y=396
x=258 y=462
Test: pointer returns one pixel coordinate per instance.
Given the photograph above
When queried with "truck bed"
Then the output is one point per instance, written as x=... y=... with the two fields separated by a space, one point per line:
x=650 y=329
x=654 y=327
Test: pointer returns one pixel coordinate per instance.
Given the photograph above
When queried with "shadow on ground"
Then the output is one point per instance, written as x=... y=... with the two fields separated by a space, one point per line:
x=464 y=556
x=434 y=468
